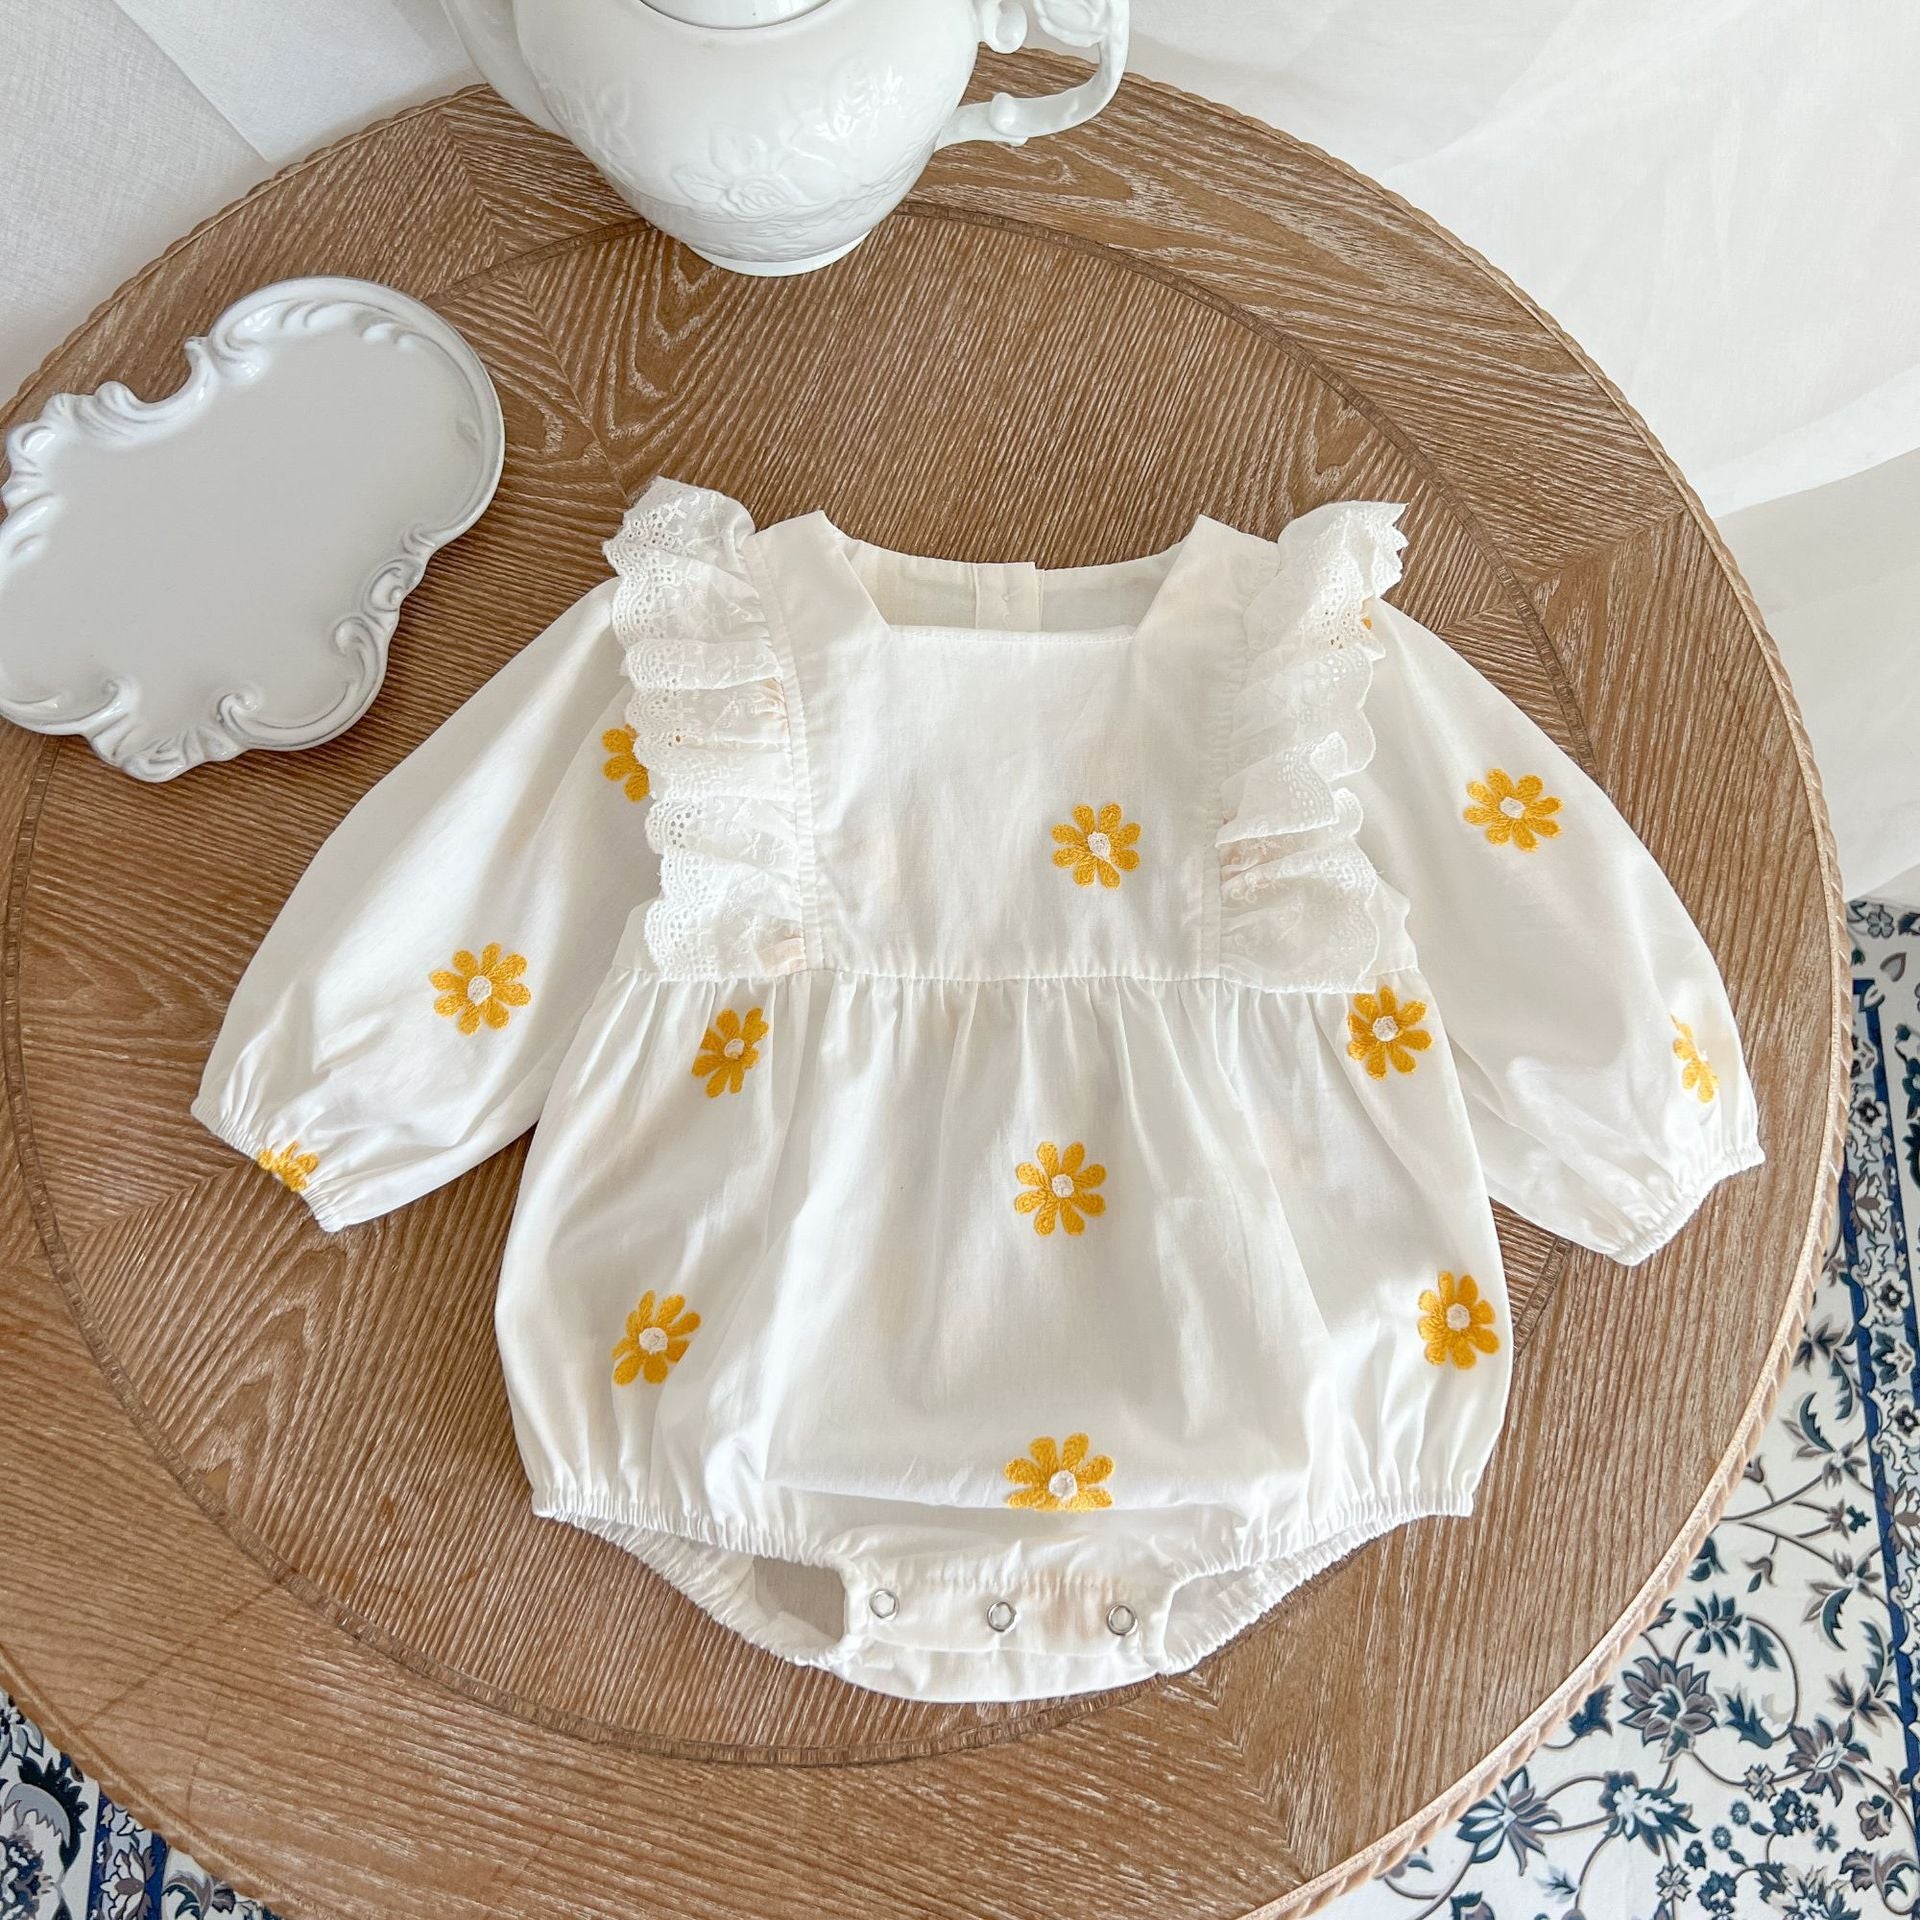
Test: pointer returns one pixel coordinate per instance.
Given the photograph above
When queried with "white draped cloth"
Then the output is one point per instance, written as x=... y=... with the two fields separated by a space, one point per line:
x=1716 y=200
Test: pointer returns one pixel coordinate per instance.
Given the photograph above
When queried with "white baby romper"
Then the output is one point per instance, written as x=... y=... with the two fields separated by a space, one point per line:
x=1008 y=1203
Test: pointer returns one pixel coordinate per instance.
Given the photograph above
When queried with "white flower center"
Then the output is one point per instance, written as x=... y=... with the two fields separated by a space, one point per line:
x=1386 y=1028
x=653 y=1339
x=1063 y=1486
x=1459 y=1318
x=478 y=988
x=734 y=1048
x=1513 y=806
x=1100 y=846
x=1062 y=1185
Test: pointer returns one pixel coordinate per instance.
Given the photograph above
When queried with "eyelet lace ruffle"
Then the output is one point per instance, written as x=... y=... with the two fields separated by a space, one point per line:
x=1301 y=905
x=710 y=722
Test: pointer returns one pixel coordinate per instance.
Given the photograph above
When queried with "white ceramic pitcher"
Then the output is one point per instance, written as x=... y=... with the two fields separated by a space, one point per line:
x=772 y=135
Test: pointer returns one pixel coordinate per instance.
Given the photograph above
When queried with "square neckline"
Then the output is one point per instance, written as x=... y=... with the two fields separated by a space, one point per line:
x=815 y=538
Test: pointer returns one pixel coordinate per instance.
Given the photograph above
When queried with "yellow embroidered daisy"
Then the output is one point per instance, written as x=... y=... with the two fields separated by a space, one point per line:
x=1060 y=1189
x=1060 y=1478
x=1384 y=1031
x=655 y=1340
x=622 y=764
x=289 y=1165
x=1520 y=811
x=1456 y=1323
x=1696 y=1075
x=483 y=989
x=1098 y=846
x=729 y=1047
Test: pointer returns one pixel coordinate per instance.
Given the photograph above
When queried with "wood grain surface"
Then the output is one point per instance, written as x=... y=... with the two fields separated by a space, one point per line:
x=270 y=1569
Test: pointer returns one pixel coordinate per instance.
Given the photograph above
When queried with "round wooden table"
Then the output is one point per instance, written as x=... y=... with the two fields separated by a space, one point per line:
x=269 y=1566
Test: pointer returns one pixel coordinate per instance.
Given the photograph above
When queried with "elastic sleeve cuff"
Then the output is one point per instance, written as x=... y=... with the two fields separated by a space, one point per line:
x=313 y=1188
x=1690 y=1190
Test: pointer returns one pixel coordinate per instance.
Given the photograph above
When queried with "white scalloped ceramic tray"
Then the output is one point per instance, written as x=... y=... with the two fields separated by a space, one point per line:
x=183 y=579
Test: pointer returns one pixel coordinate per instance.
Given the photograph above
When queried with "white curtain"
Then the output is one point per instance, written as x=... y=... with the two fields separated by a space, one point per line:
x=1716 y=197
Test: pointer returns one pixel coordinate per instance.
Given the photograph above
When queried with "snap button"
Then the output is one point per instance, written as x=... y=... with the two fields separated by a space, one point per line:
x=1000 y=1616
x=881 y=1604
x=1120 y=1620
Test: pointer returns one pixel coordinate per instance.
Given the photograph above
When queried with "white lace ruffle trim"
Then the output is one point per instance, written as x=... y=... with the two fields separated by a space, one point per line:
x=710 y=724
x=1300 y=900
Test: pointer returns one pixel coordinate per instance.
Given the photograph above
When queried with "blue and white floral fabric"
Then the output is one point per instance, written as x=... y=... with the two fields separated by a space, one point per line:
x=68 y=1853
x=1755 y=1755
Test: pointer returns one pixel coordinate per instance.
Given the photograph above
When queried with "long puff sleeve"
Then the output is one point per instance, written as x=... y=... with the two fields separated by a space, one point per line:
x=1593 y=1036
x=407 y=1011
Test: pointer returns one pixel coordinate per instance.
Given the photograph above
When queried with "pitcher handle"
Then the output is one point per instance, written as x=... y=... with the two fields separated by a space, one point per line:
x=1013 y=120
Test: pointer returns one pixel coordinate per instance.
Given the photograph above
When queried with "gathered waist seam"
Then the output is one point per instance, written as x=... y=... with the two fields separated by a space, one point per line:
x=639 y=965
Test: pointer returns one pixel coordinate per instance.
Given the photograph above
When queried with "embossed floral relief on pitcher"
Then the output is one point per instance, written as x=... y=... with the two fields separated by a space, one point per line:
x=772 y=135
